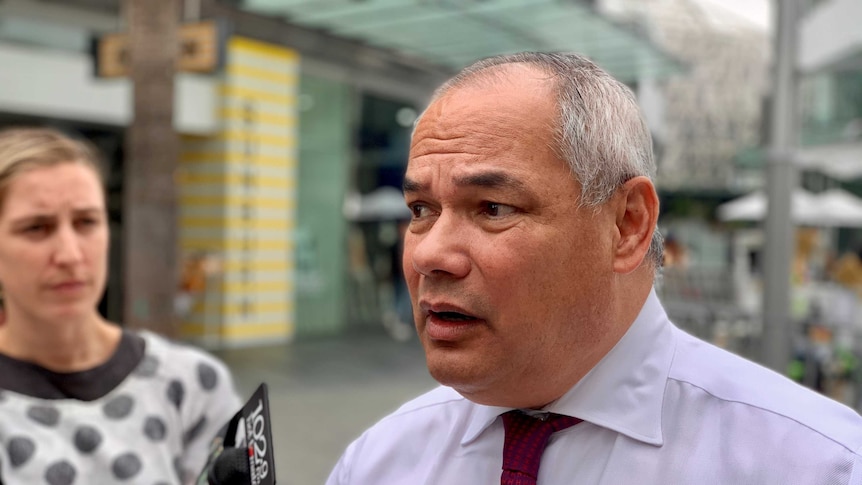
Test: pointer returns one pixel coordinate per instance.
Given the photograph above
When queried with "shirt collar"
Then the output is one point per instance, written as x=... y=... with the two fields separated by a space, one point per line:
x=624 y=392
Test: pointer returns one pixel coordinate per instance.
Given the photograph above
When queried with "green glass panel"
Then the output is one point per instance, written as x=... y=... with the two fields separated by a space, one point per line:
x=324 y=152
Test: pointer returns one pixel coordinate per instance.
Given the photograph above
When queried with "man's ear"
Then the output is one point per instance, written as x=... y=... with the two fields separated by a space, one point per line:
x=636 y=218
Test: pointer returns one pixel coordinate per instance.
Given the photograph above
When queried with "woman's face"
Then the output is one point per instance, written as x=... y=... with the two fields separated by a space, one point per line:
x=53 y=243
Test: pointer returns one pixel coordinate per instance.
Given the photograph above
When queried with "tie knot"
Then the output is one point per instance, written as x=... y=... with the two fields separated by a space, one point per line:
x=525 y=441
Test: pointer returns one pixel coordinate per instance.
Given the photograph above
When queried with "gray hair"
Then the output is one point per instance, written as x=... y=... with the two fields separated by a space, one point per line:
x=600 y=133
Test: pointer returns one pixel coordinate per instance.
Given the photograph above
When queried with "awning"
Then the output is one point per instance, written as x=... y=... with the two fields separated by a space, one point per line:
x=831 y=208
x=842 y=161
x=753 y=207
x=454 y=33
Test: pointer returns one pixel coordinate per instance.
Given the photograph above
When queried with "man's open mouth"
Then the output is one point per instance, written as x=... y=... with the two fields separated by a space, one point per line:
x=453 y=316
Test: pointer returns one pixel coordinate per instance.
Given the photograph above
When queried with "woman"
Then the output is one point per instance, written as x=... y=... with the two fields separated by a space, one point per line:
x=82 y=400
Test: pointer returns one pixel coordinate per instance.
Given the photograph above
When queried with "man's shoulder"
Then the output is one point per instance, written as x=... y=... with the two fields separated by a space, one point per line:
x=735 y=384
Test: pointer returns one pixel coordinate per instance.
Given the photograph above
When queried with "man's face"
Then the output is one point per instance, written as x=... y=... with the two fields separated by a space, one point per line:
x=508 y=277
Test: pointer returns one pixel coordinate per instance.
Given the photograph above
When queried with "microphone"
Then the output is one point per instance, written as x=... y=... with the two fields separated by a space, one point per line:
x=242 y=454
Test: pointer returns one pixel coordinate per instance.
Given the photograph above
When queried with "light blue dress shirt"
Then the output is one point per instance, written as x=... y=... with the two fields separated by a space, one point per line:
x=661 y=408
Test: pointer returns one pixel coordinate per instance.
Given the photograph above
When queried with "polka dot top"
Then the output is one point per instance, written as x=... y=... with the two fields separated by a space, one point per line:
x=146 y=416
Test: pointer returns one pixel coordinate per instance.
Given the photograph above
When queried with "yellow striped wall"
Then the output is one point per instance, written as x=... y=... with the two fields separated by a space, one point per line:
x=238 y=201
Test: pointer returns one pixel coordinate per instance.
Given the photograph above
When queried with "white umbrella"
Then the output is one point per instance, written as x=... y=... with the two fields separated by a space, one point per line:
x=839 y=208
x=752 y=207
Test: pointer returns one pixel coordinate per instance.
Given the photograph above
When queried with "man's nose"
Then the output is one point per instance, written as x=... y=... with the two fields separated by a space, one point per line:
x=68 y=249
x=443 y=250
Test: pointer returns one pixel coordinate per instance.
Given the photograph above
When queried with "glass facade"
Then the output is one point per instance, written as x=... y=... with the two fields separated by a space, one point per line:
x=378 y=294
x=832 y=107
x=352 y=144
x=325 y=155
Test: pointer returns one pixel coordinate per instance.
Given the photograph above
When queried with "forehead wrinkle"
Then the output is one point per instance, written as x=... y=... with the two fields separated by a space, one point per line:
x=451 y=126
x=478 y=141
x=428 y=145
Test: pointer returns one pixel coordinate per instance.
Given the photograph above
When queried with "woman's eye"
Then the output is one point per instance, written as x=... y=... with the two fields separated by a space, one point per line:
x=493 y=209
x=87 y=222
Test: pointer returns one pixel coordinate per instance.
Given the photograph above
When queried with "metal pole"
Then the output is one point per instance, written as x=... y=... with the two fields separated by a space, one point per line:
x=780 y=183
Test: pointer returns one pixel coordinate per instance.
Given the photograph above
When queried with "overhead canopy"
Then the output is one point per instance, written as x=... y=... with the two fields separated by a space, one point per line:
x=842 y=161
x=454 y=33
x=832 y=208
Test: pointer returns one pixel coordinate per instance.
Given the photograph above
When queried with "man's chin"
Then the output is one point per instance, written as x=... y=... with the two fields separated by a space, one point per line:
x=459 y=372
x=478 y=377
x=474 y=391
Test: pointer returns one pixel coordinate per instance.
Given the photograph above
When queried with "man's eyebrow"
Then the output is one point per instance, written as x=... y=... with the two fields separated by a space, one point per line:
x=485 y=179
x=490 y=180
x=411 y=186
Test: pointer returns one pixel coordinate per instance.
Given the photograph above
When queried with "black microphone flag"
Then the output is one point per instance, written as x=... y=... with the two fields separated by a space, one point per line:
x=246 y=438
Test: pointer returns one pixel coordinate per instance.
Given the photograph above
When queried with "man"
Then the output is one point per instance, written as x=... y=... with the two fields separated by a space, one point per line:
x=530 y=261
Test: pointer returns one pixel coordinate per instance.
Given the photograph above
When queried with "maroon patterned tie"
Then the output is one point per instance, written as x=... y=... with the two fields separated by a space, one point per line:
x=526 y=438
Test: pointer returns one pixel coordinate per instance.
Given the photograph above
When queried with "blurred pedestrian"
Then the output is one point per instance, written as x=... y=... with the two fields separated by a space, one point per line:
x=81 y=399
x=675 y=254
x=530 y=260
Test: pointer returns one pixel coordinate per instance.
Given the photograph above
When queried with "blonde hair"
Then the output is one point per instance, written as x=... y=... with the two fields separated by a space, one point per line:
x=25 y=148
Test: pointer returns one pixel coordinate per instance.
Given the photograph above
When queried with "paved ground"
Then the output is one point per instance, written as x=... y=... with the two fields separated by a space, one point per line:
x=325 y=393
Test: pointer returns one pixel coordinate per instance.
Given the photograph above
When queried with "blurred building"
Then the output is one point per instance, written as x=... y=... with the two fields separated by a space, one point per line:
x=311 y=105
x=707 y=121
x=830 y=66
x=830 y=62
x=829 y=156
x=711 y=114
